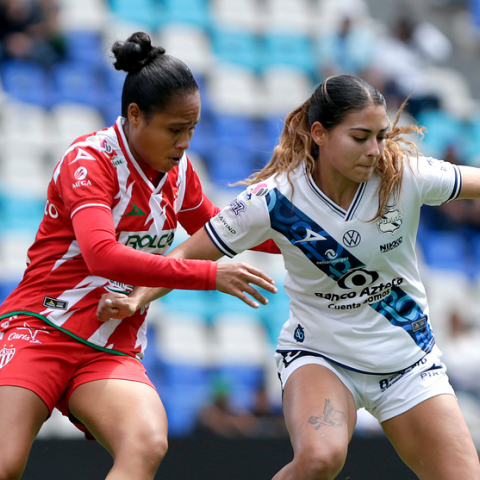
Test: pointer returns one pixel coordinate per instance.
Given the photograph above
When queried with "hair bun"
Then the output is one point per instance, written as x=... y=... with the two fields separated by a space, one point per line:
x=136 y=52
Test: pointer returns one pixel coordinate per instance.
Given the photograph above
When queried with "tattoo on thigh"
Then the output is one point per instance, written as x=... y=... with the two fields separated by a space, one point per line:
x=330 y=417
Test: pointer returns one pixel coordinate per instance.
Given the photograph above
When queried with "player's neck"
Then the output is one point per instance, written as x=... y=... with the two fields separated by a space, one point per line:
x=339 y=189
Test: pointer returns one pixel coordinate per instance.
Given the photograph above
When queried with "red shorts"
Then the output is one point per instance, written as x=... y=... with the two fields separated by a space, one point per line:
x=47 y=361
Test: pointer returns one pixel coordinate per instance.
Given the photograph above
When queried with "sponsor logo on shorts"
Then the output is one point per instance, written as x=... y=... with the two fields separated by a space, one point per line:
x=29 y=336
x=388 y=382
x=6 y=354
x=55 y=303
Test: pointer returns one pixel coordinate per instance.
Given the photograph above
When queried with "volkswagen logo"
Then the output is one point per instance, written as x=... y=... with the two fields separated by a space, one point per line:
x=352 y=238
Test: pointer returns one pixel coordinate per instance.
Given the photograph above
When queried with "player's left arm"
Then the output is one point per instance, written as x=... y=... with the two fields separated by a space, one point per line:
x=470 y=182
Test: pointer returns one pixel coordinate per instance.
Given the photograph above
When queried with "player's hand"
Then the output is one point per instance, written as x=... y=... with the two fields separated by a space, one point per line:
x=115 y=305
x=236 y=279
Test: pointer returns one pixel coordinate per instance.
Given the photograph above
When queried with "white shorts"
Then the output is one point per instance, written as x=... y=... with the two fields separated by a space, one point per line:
x=384 y=396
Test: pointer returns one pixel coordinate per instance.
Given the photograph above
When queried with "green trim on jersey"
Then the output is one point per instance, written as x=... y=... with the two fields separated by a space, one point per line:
x=45 y=319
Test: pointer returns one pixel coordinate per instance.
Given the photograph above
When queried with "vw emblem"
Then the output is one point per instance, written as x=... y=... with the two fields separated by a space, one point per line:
x=352 y=238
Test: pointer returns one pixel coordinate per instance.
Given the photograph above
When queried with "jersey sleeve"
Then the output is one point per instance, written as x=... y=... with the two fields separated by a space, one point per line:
x=85 y=177
x=105 y=257
x=243 y=224
x=438 y=181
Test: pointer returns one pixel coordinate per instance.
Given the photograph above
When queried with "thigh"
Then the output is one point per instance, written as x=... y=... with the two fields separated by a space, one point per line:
x=120 y=414
x=433 y=439
x=22 y=413
x=320 y=412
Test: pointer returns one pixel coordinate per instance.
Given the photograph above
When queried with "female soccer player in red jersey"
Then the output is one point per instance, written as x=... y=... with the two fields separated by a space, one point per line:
x=113 y=205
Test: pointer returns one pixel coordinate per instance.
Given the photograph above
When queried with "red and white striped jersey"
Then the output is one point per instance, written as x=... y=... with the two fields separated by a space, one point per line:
x=98 y=170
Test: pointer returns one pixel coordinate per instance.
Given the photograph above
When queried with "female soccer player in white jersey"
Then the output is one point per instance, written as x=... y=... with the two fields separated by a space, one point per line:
x=113 y=205
x=341 y=197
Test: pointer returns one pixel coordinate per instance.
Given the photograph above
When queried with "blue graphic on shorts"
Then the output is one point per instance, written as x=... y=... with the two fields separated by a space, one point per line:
x=299 y=334
x=320 y=248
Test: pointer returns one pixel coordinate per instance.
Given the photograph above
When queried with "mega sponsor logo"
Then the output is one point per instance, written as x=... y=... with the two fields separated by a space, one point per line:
x=390 y=221
x=391 y=245
x=140 y=242
x=81 y=183
x=80 y=173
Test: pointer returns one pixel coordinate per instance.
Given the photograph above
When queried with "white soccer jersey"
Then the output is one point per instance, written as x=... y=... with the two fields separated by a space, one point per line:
x=356 y=296
x=99 y=170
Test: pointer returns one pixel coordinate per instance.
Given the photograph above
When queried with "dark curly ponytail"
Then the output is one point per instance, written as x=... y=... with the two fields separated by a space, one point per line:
x=153 y=77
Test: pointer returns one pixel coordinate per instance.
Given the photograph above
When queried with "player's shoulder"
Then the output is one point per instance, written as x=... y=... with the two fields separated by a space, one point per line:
x=102 y=146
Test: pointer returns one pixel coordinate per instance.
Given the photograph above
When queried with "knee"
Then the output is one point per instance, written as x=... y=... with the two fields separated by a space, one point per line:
x=320 y=463
x=150 y=446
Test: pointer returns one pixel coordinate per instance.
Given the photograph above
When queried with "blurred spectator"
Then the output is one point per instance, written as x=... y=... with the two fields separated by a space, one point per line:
x=348 y=49
x=28 y=31
x=461 y=216
x=462 y=355
x=401 y=57
x=220 y=419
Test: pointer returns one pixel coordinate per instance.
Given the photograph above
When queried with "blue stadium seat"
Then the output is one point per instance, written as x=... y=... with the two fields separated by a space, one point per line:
x=237 y=46
x=234 y=130
x=444 y=130
x=143 y=12
x=182 y=404
x=242 y=382
x=20 y=212
x=152 y=361
x=6 y=287
x=468 y=145
x=203 y=140
x=77 y=83
x=196 y=12
x=446 y=250
x=197 y=302
x=290 y=49
x=111 y=105
x=84 y=46
x=229 y=164
x=27 y=82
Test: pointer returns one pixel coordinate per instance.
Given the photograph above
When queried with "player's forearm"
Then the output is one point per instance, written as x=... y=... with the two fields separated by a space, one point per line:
x=198 y=246
x=142 y=296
